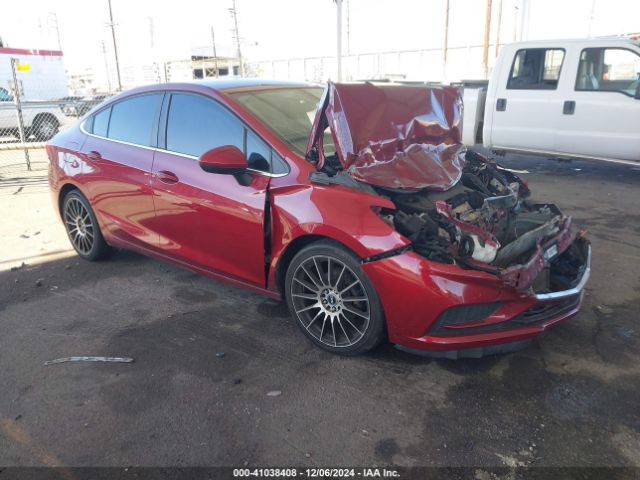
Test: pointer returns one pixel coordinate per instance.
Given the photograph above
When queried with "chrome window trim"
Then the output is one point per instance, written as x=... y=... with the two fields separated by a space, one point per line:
x=184 y=155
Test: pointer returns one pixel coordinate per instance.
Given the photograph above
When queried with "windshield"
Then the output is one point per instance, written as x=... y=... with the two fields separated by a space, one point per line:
x=288 y=112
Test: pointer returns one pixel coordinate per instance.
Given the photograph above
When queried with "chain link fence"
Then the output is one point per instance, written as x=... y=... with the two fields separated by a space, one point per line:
x=35 y=103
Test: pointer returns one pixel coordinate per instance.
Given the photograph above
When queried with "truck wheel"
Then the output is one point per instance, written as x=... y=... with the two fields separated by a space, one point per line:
x=333 y=301
x=45 y=127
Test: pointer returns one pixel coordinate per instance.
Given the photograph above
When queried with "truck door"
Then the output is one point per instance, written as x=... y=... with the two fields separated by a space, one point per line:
x=525 y=101
x=600 y=115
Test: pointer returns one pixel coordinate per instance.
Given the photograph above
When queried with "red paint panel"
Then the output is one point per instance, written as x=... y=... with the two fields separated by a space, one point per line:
x=209 y=219
x=400 y=137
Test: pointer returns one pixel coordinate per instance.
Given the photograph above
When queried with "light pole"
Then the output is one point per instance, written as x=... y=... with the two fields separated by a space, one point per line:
x=115 y=46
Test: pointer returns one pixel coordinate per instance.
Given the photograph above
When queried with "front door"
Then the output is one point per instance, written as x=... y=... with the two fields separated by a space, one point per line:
x=214 y=221
x=604 y=117
x=526 y=101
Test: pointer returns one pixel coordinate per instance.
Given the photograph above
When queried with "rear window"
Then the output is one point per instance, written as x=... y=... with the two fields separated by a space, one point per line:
x=132 y=120
x=536 y=69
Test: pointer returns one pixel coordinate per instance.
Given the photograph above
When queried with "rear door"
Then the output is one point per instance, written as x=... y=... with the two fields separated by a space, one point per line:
x=118 y=156
x=215 y=221
x=600 y=116
x=526 y=100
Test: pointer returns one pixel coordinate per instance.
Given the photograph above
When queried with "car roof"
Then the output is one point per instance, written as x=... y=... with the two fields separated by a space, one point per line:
x=246 y=83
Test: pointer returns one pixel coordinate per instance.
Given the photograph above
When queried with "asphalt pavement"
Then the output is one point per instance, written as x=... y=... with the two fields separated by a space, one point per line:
x=222 y=376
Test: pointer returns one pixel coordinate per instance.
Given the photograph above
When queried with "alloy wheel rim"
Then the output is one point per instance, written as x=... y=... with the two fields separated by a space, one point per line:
x=330 y=301
x=79 y=225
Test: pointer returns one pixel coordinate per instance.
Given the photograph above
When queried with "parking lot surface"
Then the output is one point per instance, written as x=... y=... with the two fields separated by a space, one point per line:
x=223 y=377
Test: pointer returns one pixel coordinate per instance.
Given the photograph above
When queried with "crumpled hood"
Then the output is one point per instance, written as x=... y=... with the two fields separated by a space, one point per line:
x=402 y=137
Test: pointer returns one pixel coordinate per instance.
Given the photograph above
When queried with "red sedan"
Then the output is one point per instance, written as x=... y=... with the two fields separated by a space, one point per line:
x=356 y=203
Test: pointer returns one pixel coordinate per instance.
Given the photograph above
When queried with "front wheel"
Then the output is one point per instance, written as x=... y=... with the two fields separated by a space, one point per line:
x=82 y=227
x=333 y=300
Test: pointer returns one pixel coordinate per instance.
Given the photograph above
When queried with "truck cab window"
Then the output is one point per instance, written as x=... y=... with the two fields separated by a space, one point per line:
x=536 y=69
x=608 y=70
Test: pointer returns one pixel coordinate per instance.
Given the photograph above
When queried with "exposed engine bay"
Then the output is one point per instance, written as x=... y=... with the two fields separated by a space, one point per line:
x=454 y=205
x=485 y=222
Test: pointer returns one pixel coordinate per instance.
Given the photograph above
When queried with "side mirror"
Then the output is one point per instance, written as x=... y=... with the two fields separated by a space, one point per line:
x=637 y=95
x=226 y=159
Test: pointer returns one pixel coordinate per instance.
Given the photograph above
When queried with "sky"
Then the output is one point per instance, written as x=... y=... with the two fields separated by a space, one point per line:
x=278 y=29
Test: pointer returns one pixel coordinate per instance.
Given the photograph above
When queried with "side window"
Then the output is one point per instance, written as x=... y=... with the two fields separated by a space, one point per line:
x=258 y=153
x=608 y=70
x=132 y=120
x=278 y=165
x=196 y=124
x=101 y=122
x=536 y=69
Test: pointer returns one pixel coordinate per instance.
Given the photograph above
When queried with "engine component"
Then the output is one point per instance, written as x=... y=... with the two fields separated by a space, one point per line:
x=526 y=242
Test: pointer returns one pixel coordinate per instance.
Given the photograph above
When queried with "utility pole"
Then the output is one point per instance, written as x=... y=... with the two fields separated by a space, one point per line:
x=485 y=47
x=339 y=39
x=215 y=55
x=115 y=46
x=445 y=48
x=499 y=25
x=103 y=49
x=234 y=14
x=57 y=27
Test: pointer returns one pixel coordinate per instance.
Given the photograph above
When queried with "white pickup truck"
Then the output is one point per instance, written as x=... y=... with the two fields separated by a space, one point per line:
x=564 y=98
x=41 y=119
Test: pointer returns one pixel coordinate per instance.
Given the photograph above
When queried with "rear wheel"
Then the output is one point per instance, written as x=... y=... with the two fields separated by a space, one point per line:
x=333 y=300
x=82 y=227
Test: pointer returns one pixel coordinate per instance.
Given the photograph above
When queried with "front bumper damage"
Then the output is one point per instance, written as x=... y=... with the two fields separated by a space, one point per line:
x=488 y=268
x=446 y=312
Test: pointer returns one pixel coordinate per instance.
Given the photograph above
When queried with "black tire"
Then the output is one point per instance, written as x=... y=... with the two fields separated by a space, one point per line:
x=354 y=314
x=85 y=235
x=45 y=127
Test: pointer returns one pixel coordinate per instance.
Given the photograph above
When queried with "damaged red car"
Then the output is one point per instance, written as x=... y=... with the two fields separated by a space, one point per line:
x=355 y=203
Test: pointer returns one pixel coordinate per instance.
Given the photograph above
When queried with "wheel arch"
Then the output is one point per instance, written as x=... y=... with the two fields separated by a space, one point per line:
x=295 y=246
x=64 y=190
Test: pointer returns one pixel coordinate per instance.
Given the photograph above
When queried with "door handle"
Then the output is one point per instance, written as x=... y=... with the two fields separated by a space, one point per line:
x=167 y=177
x=501 y=105
x=569 y=107
x=94 y=155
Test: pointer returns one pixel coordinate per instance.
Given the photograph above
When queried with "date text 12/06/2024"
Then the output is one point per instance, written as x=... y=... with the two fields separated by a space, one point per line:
x=316 y=472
